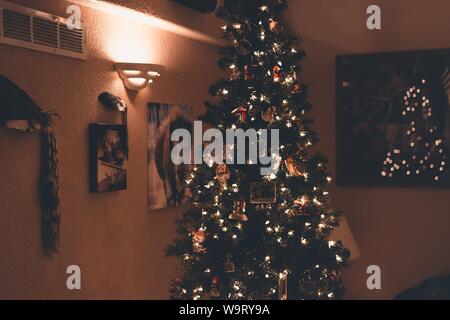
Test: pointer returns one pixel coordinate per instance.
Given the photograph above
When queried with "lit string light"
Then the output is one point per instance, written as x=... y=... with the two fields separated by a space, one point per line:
x=423 y=149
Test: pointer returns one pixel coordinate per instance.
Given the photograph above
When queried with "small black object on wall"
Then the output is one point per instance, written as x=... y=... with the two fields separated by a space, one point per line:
x=114 y=103
x=108 y=149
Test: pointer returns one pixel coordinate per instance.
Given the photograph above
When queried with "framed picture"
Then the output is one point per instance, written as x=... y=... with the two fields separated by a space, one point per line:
x=393 y=119
x=166 y=181
x=108 y=157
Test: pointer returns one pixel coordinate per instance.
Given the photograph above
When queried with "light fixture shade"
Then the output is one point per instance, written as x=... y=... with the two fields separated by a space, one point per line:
x=137 y=76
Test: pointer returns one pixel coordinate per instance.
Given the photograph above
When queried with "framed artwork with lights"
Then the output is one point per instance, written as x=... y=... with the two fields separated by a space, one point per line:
x=393 y=119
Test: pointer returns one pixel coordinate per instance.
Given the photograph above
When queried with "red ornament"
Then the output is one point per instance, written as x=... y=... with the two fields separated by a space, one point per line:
x=241 y=112
x=277 y=74
x=215 y=280
x=199 y=236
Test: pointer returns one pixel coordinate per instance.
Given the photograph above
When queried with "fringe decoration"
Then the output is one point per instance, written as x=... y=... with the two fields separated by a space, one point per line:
x=49 y=187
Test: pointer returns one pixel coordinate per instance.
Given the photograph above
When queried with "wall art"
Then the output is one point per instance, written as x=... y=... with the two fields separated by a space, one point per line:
x=393 y=119
x=166 y=181
x=108 y=157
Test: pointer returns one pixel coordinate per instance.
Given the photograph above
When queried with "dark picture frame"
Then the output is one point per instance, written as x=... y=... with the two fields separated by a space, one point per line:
x=108 y=157
x=374 y=132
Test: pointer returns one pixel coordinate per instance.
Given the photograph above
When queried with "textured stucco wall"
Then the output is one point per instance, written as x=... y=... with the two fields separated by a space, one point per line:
x=116 y=241
x=404 y=231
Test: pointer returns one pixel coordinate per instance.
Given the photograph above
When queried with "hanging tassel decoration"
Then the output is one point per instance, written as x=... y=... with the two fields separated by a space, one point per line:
x=18 y=111
x=49 y=187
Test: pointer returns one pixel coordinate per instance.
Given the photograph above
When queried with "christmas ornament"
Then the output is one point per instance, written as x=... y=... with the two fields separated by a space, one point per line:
x=215 y=280
x=274 y=26
x=263 y=192
x=228 y=266
x=269 y=114
x=244 y=47
x=241 y=113
x=277 y=74
x=222 y=174
x=239 y=209
x=235 y=74
x=283 y=286
x=291 y=167
x=297 y=88
x=247 y=74
x=215 y=292
x=302 y=201
x=198 y=238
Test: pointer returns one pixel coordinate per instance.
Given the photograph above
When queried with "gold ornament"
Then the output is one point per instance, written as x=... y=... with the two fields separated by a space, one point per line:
x=239 y=209
x=292 y=167
x=228 y=265
x=247 y=74
x=273 y=25
x=269 y=114
x=222 y=174
x=302 y=201
x=198 y=238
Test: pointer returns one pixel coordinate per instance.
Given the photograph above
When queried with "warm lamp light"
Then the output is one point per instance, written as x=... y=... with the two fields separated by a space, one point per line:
x=137 y=76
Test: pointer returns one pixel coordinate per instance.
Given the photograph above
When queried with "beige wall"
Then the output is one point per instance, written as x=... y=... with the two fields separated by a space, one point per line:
x=116 y=241
x=404 y=231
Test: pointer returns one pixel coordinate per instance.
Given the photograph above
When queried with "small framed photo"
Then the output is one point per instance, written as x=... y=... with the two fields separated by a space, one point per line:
x=263 y=192
x=108 y=157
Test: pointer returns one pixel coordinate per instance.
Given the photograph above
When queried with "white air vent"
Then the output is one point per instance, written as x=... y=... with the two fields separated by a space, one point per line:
x=31 y=29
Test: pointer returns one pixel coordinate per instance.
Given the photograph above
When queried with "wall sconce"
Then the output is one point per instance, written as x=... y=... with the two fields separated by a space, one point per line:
x=137 y=76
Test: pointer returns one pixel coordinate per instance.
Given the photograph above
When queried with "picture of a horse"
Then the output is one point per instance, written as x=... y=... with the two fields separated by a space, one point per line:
x=166 y=181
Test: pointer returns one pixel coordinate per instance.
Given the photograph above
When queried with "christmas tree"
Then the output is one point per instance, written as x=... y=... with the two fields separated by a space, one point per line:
x=248 y=236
